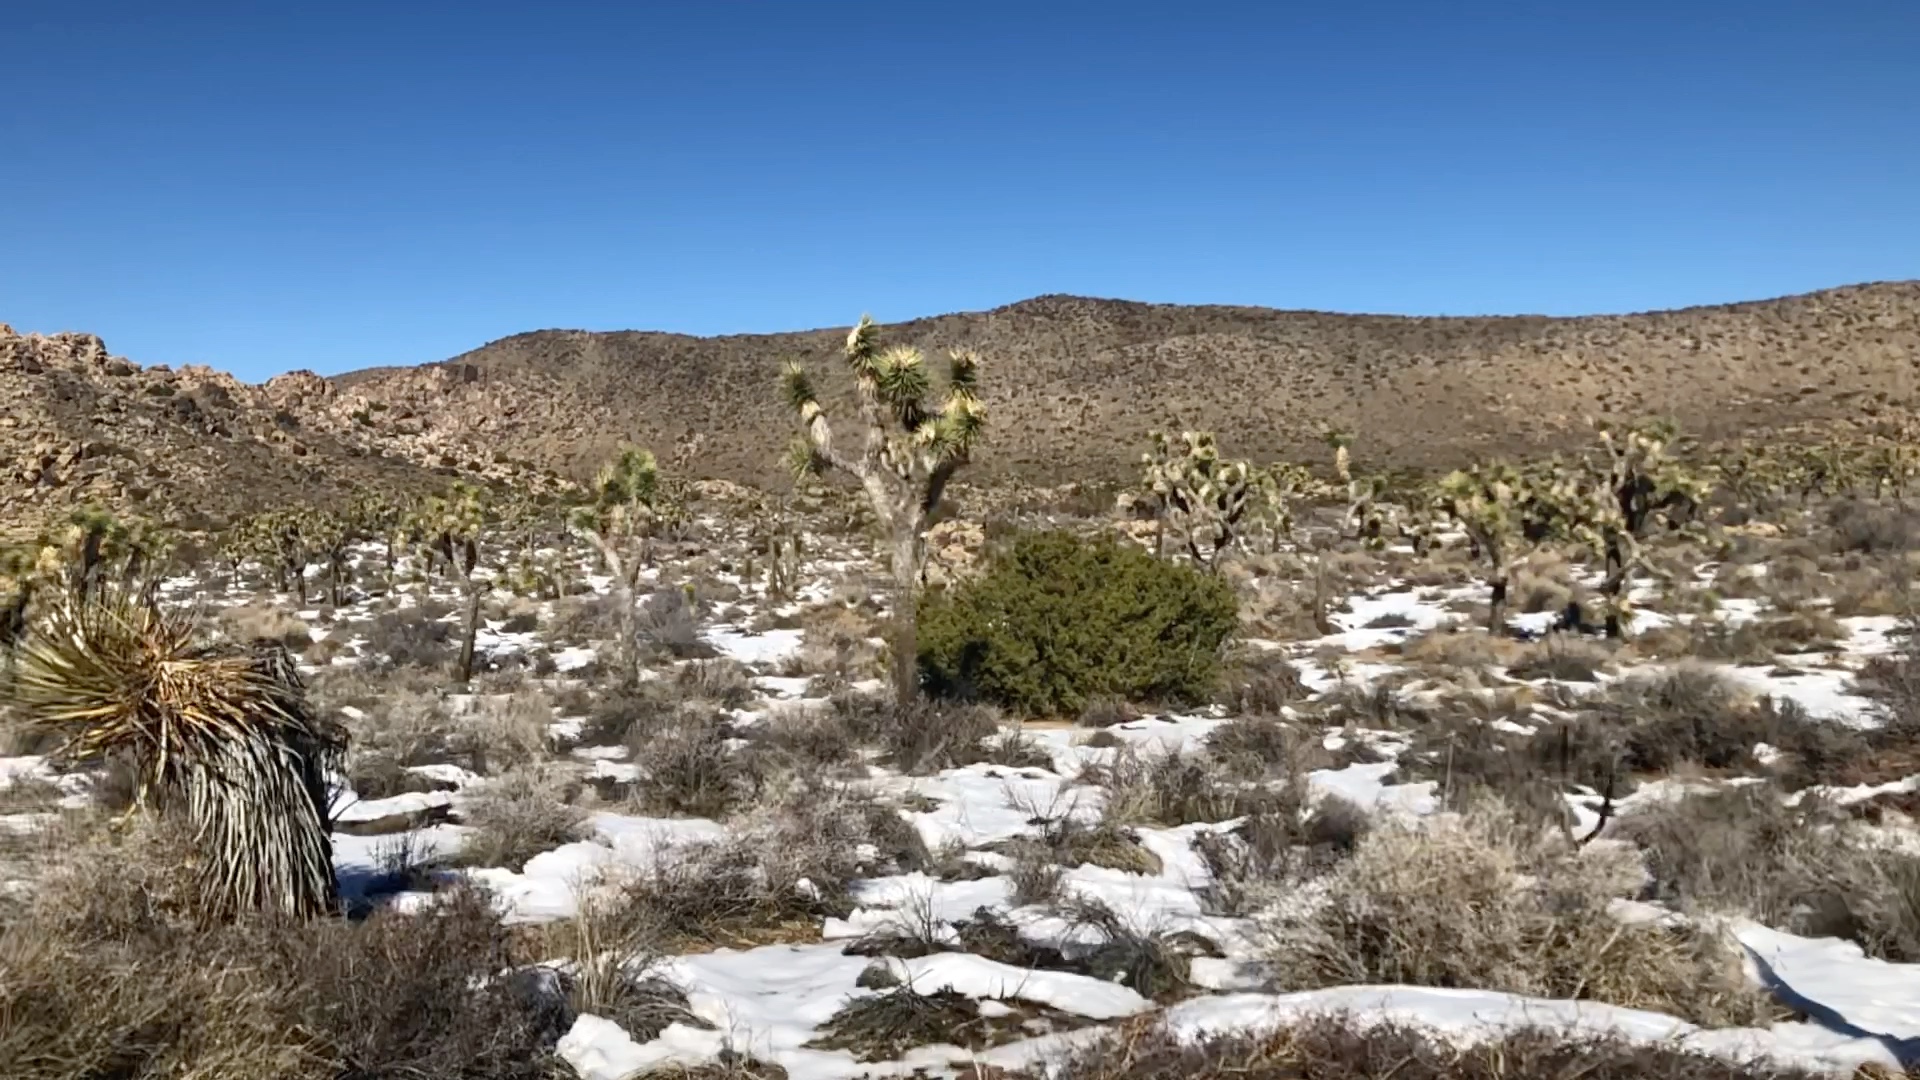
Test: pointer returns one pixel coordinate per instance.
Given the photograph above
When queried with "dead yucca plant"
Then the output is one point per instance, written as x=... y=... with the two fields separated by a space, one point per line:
x=224 y=738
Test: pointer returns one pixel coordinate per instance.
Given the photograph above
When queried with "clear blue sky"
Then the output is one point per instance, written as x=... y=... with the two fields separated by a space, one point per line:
x=274 y=186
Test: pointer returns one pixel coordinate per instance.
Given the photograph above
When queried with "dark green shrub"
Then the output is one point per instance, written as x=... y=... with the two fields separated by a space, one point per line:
x=1057 y=620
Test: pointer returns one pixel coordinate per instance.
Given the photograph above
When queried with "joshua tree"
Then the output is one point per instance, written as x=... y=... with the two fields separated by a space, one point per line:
x=619 y=523
x=908 y=452
x=1489 y=502
x=1640 y=486
x=1206 y=502
x=225 y=740
x=450 y=526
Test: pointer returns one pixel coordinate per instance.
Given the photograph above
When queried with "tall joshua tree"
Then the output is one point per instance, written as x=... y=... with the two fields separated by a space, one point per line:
x=908 y=451
x=619 y=523
x=450 y=526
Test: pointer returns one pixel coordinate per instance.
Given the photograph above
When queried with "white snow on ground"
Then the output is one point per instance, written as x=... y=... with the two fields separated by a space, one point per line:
x=978 y=977
x=768 y=648
x=1873 y=996
x=360 y=811
x=552 y=884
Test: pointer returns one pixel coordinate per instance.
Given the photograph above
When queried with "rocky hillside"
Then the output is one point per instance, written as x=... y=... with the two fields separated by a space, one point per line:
x=1074 y=384
x=79 y=425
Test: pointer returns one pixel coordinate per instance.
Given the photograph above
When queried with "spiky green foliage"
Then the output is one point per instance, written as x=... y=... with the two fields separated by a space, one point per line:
x=1209 y=505
x=1499 y=508
x=910 y=449
x=1638 y=486
x=226 y=740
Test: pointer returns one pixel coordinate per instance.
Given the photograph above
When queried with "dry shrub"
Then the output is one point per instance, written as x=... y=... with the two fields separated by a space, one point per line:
x=517 y=817
x=1069 y=841
x=690 y=768
x=804 y=739
x=1171 y=789
x=1335 y=1047
x=622 y=714
x=924 y=735
x=784 y=867
x=417 y=637
x=108 y=975
x=669 y=623
x=723 y=681
x=581 y=620
x=883 y=1026
x=1541 y=585
x=260 y=622
x=1857 y=525
x=1563 y=658
x=1275 y=849
x=1262 y=682
x=1105 y=711
x=1457 y=647
x=1255 y=747
x=509 y=732
x=1796 y=867
x=1481 y=901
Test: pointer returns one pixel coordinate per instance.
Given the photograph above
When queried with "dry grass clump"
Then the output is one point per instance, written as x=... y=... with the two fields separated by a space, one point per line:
x=1254 y=747
x=1336 y=1047
x=691 y=769
x=107 y=974
x=1152 y=962
x=723 y=682
x=415 y=637
x=1448 y=646
x=1275 y=849
x=1171 y=789
x=785 y=866
x=1563 y=658
x=1745 y=851
x=1481 y=901
x=519 y=816
x=883 y=1026
x=262 y=622
x=1261 y=682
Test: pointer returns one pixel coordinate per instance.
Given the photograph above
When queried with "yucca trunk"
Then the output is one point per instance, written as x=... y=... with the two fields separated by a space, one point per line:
x=463 y=669
x=907 y=551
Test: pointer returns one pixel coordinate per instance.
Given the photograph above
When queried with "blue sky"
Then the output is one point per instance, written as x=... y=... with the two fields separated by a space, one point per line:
x=265 y=187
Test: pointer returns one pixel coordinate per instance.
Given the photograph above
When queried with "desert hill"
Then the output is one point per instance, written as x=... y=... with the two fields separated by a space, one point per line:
x=1073 y=385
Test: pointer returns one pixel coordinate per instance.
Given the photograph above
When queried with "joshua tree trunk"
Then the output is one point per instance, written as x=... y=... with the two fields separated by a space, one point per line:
x=628 y=655
x=908 y=545
x=464 y=671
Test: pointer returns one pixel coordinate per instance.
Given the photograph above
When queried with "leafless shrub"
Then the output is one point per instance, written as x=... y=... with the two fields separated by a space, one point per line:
x=690 y=768
x=259 y=622
x=1745 y=851
x=517 y=817
x=722 y=681
x=1260 y=682
x=1484 y=902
